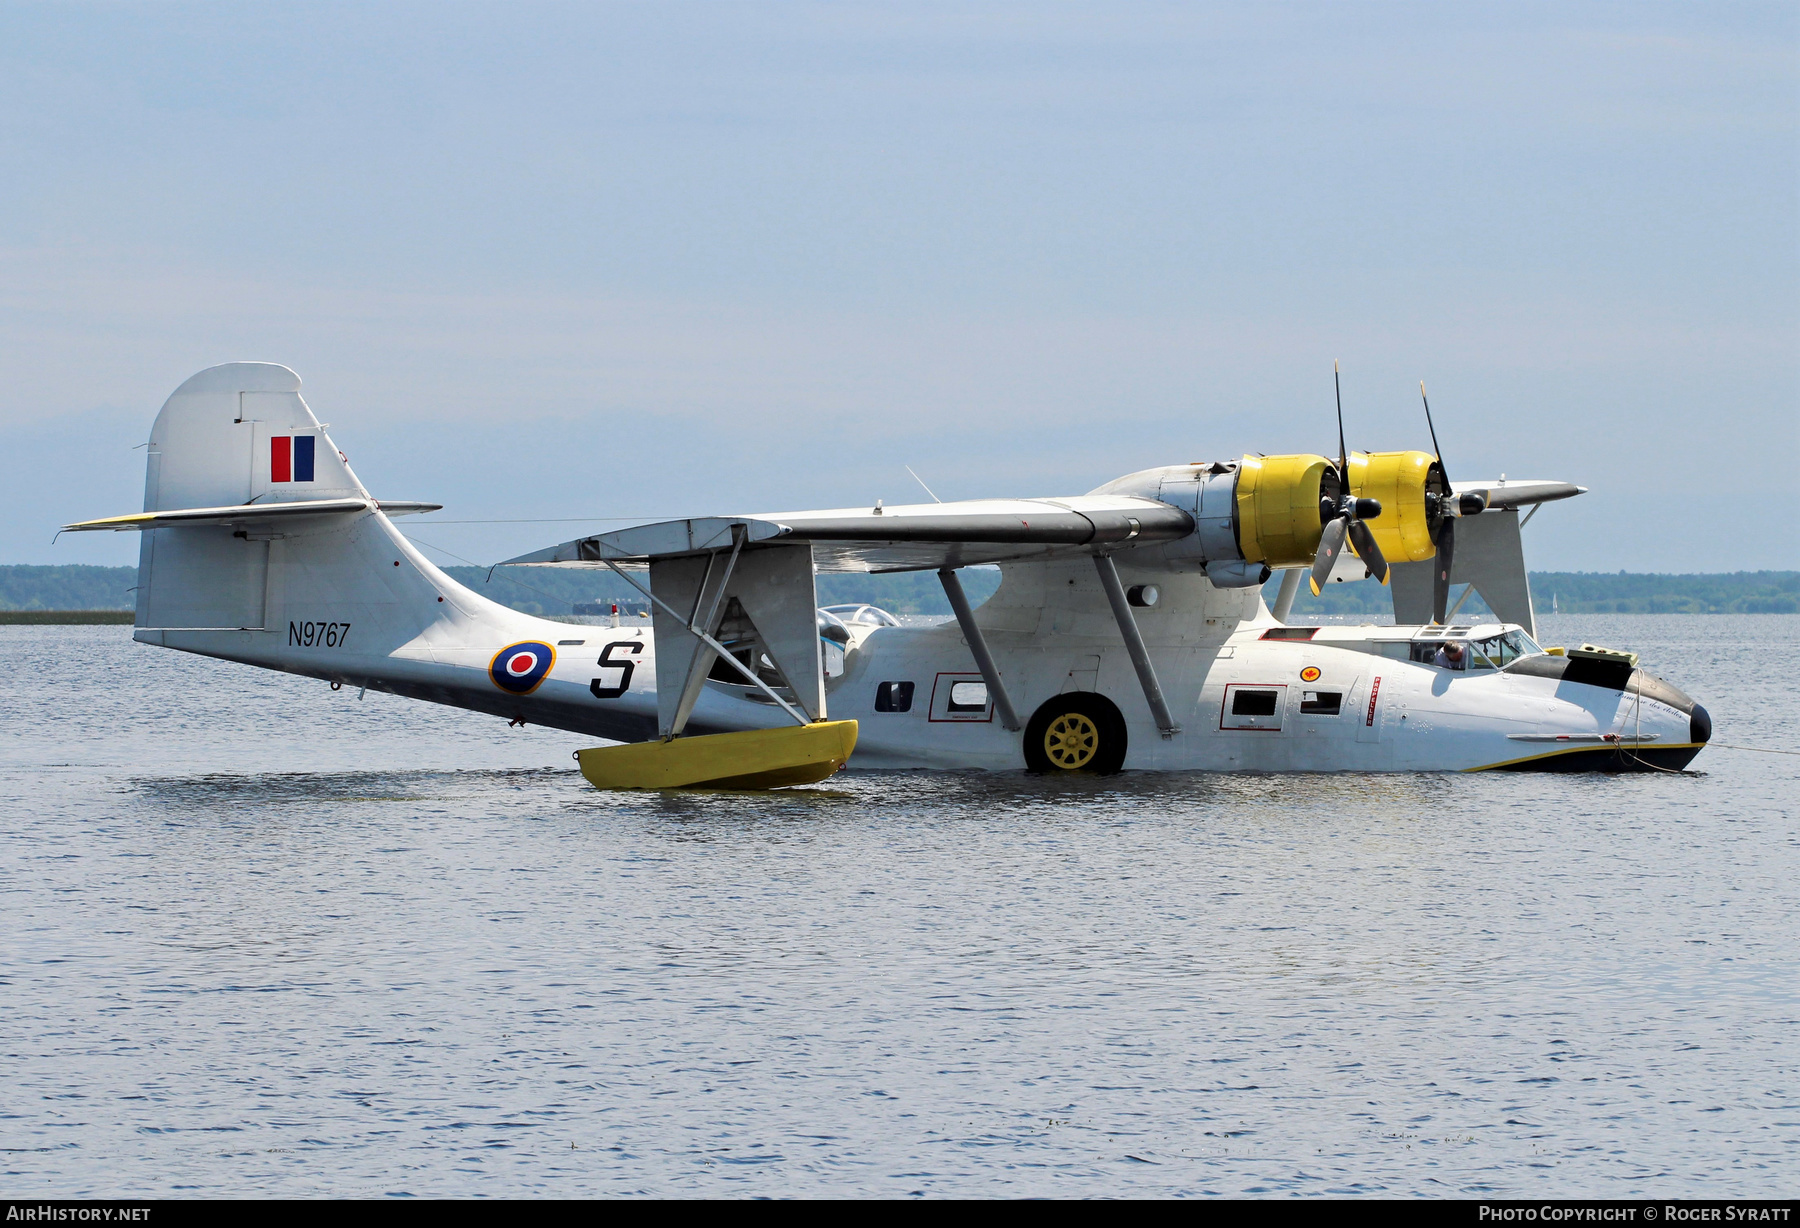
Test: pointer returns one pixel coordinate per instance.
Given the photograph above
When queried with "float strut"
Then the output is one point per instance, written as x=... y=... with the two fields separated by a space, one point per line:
x=1134 y=644
x=984 y=660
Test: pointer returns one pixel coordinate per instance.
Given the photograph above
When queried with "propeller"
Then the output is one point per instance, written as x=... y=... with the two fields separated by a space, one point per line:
x=1344 y=514
x=1444 y=508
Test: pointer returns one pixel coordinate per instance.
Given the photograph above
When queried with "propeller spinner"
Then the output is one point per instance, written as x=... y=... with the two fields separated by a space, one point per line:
x=1343 y=515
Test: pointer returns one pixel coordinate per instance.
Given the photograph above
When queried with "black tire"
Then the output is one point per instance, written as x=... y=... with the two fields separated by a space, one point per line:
x=1076 y=732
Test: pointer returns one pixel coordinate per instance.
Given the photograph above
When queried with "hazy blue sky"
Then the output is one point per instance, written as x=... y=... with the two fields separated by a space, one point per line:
x=590 y=260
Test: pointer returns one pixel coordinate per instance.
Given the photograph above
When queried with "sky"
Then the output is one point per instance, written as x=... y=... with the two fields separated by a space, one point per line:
x=553 y=264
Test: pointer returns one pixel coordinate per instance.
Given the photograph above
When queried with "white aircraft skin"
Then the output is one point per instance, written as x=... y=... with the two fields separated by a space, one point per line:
x=348 y=599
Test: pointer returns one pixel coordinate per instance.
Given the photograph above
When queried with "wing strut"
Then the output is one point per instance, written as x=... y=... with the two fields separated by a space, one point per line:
x=1134 y=645
x=984 y=660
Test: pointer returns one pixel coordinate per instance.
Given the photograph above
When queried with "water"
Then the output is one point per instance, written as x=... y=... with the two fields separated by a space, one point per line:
x=263 y=938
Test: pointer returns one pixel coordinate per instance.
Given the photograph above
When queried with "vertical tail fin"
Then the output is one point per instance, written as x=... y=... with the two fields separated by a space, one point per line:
x=231 y=435
x=260 y=545
x=240 y=433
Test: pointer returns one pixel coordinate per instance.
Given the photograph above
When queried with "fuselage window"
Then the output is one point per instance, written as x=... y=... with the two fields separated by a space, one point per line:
x=1320 y=703
x=1253 y=703
x=894 y=697
x=968 y=697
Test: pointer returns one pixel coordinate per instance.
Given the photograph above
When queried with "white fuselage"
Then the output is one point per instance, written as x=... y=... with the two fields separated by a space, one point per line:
x=1050 y=632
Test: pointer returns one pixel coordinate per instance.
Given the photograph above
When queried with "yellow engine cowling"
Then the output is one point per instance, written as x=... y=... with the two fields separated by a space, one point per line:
x=1278 y=507
x=1399 y=480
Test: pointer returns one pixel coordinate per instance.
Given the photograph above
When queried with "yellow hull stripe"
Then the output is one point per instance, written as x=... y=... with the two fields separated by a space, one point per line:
x=1591 y=746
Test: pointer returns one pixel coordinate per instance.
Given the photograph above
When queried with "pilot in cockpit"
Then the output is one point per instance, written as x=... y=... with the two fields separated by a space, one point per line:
x=1451 y=655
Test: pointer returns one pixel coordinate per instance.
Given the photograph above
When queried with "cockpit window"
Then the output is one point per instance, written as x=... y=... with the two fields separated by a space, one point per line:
x=1502 y=650
x=1447 y=654
x=1489 y=652
x=832 y=628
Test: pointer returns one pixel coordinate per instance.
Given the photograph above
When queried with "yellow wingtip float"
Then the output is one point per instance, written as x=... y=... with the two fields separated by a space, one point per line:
x=752 y=759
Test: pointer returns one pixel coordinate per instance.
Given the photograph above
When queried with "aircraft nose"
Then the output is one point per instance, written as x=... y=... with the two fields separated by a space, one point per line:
x=1699 y=719
x=1699 y=725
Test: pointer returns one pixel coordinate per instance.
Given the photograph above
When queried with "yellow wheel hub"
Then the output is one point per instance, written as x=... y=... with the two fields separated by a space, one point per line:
x=1072 y=741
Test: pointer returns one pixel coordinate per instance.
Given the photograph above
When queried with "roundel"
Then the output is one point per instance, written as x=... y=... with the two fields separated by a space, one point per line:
x=519 y=668
x=1310 y=674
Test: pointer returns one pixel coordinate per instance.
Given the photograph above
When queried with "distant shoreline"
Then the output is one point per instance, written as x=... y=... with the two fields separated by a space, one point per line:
x=65 y=618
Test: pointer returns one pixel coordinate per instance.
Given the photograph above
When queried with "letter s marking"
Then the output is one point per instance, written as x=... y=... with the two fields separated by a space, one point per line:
x=625 y=667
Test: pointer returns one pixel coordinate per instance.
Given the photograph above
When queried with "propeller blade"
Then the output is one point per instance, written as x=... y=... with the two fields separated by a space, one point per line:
x=1435 y=450
x=1331 y=541
x=1368 y=551
x=1343 y=452
x=1440 y=569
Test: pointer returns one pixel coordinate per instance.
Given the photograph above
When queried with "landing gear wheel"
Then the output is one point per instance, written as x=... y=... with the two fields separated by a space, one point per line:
x=1071 y=741
x=1077 y=732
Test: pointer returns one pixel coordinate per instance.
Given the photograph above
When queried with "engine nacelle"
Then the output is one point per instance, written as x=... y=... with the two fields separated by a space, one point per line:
x=1264 y=512
x=1399 y=481
x=1278 y=520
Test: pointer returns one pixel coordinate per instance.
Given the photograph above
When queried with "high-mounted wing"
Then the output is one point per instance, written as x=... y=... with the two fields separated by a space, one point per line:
x=1516 y=494
x=754 y=574
x=913 y=537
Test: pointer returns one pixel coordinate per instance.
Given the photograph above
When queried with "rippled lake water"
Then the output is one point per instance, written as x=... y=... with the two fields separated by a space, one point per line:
x=263 y=938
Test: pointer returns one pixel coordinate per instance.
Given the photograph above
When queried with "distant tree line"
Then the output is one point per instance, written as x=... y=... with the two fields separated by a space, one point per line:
x=1737 y=592
x=1583 y=592
x=555 y=590
x=73 y=586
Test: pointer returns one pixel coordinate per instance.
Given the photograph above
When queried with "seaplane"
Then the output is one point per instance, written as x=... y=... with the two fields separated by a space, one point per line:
x=1129 y=631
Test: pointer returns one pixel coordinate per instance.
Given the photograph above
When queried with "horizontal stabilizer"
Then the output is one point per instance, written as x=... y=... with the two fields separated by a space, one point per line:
x=246 y=514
